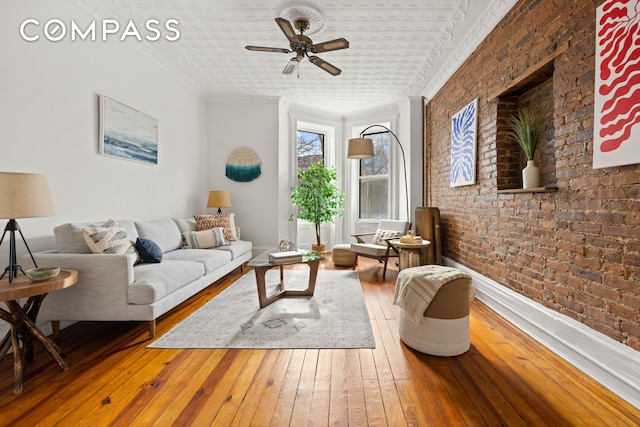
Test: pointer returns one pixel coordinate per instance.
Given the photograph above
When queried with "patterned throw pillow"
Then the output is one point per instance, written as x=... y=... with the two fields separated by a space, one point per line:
x=226 y=221
x=108 y=238
x=381 y=235
x=205 y=239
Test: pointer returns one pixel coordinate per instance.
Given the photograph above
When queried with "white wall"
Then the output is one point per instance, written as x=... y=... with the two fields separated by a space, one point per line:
x=252 y=123
x=49 y=123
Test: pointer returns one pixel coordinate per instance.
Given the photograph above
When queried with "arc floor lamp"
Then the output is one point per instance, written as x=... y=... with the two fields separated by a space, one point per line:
x=362 y=148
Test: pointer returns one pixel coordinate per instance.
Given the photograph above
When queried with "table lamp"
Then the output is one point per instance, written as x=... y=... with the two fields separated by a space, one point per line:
x=22 y=195
x=219 y=199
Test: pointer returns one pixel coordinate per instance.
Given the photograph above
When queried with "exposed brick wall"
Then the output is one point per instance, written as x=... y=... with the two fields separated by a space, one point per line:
x=576 y=250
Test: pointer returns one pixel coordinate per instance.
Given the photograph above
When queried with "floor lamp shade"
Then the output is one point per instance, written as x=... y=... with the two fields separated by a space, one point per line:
x=219 y=199
x=360 y=148
x=25 y=195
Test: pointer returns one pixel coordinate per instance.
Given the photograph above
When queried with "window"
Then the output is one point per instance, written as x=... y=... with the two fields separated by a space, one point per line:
x=310 y=148
x=374 y=179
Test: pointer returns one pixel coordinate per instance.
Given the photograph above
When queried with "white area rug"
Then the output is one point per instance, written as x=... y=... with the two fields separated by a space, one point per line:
x=335 y=317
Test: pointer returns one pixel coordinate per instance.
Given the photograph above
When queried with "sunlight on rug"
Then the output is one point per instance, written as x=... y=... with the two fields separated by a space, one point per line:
x=335 y=317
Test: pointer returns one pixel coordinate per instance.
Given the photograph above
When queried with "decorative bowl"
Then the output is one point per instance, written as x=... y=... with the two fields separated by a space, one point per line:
x=42 y=273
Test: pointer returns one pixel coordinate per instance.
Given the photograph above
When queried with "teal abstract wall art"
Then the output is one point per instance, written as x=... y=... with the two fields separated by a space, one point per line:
x=243 y=165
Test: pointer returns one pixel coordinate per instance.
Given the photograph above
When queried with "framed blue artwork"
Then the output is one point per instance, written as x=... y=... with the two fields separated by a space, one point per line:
x=464 y=136
x=127 y=133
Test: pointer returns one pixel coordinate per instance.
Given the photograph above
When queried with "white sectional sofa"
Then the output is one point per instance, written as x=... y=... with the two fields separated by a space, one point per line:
x=114 y=288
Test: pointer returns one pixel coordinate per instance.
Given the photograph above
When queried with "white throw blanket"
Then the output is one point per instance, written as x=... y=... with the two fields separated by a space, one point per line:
x=416 y=287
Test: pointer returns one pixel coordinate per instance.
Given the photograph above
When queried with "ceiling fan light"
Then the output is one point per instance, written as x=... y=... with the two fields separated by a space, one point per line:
x=291 y=66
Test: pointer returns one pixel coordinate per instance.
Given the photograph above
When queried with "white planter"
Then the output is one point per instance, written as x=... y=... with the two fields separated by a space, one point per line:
x=530 y=175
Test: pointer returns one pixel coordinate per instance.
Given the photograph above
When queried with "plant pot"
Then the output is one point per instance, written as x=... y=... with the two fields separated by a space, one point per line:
x=530 y=175
x=321 y=249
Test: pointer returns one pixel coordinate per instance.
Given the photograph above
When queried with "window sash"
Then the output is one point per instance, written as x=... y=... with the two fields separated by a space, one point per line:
x=374 y=180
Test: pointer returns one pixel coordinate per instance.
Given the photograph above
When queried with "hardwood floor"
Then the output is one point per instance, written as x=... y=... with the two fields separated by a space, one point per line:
x=505 y=379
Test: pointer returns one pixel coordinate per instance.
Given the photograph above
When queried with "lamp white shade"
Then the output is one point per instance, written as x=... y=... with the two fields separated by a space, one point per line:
x=25 y=195
x=360 y=148
x=219 y=199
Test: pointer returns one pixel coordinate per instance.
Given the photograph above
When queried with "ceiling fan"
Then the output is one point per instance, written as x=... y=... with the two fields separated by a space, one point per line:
x=302 y=45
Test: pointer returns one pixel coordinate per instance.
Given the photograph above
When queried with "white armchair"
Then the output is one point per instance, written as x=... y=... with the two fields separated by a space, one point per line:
x=379 y=248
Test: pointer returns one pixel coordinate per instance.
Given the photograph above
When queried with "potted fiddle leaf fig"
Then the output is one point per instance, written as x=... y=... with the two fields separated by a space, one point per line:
x=318 y=198
x=525 y=128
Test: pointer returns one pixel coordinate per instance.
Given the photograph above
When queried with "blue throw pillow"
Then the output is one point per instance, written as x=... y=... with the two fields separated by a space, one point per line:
x=149 y=251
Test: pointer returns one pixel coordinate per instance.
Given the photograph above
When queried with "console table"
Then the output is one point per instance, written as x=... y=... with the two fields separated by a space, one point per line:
x=23 y=320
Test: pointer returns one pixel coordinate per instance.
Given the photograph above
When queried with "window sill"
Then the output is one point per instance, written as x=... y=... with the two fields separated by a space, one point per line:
x=529 y=190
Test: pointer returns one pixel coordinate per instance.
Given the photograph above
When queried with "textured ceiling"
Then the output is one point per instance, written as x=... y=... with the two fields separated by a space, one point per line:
x=398 y=48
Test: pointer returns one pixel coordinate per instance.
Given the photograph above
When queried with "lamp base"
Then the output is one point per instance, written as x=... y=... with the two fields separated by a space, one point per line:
x=13 y=268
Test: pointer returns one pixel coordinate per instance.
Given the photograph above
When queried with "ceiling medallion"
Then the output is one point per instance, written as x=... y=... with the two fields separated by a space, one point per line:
x=296 y=11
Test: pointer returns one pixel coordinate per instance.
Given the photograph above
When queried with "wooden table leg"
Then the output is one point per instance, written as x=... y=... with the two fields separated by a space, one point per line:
x=18 y=360
x=32 y=331
x=264 y=301
x=24 y=329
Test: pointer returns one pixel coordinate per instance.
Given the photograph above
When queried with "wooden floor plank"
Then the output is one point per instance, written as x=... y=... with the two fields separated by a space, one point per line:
x=287 y=393
x=338 y=403
x=321 y=398
x=235 y=397
x=304 y=392
x=269 y=388
x=506 y=378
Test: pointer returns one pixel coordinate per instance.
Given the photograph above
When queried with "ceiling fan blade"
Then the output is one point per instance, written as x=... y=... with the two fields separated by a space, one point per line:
x=329 y=46
x=291 y=66
x=267 y=49
x=331 y=69
x=287 y=29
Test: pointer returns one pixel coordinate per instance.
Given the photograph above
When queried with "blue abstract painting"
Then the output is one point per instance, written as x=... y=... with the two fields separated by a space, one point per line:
x=464 y=131
x=128 y=133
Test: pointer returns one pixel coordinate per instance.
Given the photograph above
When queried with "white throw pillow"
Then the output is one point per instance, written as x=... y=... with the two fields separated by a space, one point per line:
x=381 y=235
x=109 y=238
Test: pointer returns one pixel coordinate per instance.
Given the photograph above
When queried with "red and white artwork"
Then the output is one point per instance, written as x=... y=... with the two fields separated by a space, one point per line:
x=616 y=138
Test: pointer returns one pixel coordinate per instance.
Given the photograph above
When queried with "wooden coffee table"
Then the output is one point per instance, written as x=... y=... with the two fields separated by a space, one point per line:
x=23 y=320
x=262 y=264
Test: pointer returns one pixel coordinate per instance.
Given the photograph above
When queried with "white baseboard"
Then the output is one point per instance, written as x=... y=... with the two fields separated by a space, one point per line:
x=614 y=365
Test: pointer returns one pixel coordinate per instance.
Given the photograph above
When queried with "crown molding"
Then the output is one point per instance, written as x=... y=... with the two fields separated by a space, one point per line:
x=483 y=27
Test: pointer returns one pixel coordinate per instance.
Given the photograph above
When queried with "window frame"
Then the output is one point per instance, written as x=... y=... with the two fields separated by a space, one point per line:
x=378 y=177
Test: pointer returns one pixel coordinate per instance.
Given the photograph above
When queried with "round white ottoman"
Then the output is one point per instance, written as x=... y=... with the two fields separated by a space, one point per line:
x=444 y=328
x=342 y=255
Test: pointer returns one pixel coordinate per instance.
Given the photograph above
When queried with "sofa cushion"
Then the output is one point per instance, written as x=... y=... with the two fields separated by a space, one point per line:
x=155 y=281
x=164 y=232
x=237 y=248
x=109 y=238
x=149 y=251
x=70 y=239
x=186 y=224
x=205 y=239
x=212 y=259
x=226 y=221
x=368 y=249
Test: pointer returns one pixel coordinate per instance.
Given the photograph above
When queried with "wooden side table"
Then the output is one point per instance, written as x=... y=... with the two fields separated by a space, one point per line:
x=410 y=253
x=23 y=320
